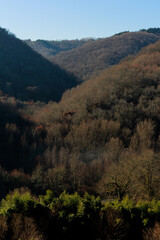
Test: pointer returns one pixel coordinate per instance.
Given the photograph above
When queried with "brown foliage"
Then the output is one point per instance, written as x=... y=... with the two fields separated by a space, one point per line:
x=19 y=227
x=3 y=228
x=91 y=58
x=152 y=233
x=113 y=226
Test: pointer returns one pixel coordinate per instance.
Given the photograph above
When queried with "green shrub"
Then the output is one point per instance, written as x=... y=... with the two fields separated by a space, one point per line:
x=17 y=203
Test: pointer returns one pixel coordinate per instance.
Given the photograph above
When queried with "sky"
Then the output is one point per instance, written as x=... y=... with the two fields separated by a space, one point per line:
x=76 y=19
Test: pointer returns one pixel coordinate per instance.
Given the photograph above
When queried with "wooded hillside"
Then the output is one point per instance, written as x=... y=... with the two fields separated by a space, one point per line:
x=88 y=60
x=26 y=75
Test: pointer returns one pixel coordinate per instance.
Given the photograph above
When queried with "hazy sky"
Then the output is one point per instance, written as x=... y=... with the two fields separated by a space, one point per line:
x=71 y=19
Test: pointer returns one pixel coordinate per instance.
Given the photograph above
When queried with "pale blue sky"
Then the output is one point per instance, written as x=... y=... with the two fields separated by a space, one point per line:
x=71 y=19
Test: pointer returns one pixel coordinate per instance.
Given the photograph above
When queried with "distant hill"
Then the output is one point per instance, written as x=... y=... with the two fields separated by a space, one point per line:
x=128 y=92
x=50 y=48
x=155 y=31
x=91 y=58
x=27 y=75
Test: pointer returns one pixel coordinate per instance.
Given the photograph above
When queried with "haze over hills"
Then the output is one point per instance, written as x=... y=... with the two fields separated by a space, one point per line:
x=50 y=48
x=27 y=75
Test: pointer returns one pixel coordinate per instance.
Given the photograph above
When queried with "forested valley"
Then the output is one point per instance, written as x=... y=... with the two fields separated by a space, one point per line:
x=87 y=58
x=80 y=156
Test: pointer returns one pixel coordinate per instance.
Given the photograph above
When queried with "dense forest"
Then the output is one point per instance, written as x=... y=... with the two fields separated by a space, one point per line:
x=87 y=57
x=88 y=60
x=26 y=75
x=85 y=141
x=90 y=138
x=152 y=30
x=101 y=140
